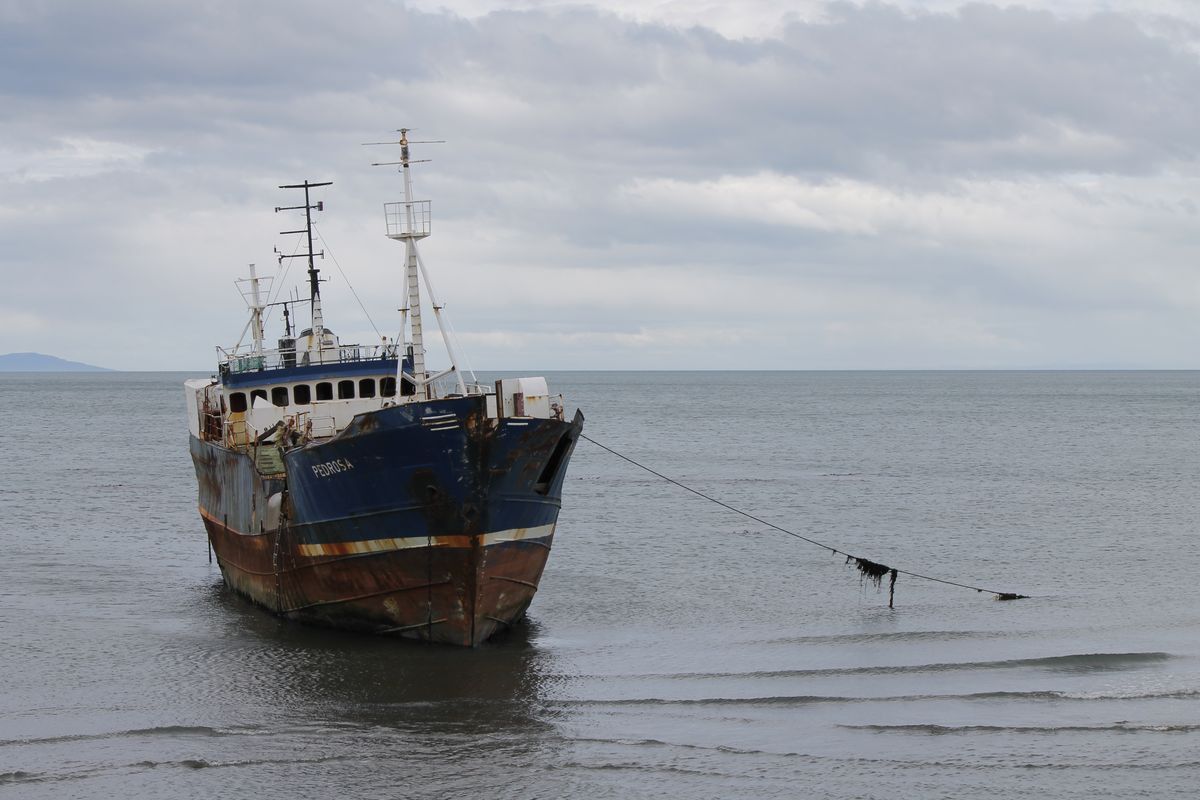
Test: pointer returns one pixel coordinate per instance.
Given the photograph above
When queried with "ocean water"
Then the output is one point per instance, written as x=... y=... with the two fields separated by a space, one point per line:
x=675 y=649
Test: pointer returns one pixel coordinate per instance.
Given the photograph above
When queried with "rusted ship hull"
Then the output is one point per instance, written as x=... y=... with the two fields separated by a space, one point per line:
x=429 y=521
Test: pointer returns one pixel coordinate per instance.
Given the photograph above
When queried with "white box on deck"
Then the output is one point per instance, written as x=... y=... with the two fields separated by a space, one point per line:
x=194 y=391
x=535 y=397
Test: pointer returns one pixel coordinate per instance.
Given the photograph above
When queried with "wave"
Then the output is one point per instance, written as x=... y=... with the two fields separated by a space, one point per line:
x=784 y=700
x=19 y=776
x=939 y=730
x=799 y=700
x=1080 y=662
x=657 y=743
x=202 y=763
x=889 y=636
x=164 y=730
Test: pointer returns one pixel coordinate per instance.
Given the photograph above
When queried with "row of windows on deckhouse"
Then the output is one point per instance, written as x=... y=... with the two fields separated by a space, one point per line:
x=303 y=394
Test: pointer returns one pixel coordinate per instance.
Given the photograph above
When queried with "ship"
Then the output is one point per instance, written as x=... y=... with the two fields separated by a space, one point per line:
x=352 y=486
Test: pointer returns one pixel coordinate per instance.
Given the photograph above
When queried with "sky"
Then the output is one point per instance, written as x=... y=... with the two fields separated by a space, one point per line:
x=623 y=185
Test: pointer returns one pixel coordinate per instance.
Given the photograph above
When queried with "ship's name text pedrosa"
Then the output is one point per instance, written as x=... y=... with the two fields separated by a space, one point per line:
x=327 y=468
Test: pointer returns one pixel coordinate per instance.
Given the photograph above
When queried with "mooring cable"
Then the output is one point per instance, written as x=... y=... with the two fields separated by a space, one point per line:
x=870 y=569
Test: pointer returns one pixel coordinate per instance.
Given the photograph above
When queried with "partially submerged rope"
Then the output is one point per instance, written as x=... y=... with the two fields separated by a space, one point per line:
x=869 y=570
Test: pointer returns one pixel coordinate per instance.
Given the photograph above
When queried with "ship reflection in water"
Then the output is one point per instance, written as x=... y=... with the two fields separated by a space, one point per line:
x=376 y=682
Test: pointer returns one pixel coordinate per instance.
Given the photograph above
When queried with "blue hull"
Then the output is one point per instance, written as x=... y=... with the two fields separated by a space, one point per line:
x=428 y=519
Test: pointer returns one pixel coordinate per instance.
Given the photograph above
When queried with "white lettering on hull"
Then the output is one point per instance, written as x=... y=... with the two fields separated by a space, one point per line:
x=327 y=468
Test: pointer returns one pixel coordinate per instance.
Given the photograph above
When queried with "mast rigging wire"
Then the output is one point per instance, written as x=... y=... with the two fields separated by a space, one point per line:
x=329 y=250
x=277 y=289
x=458 y=343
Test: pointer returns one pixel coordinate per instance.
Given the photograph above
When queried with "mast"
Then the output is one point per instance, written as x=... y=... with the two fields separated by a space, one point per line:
x=314 y=283
x=407 y=222
x=256 y=309
x=412 y=300
x=251 y=290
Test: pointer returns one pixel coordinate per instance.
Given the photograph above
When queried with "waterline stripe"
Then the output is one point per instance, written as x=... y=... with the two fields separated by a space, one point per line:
x=410 y=542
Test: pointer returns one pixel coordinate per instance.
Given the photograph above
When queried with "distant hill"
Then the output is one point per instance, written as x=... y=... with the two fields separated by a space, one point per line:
x=37 y=362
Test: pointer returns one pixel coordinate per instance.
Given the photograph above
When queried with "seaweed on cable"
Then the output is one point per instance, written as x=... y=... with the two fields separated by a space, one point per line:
x=875 y=573
x=871 y=571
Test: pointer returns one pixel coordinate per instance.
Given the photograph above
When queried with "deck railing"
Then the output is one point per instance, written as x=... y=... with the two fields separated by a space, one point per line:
x=281 y=358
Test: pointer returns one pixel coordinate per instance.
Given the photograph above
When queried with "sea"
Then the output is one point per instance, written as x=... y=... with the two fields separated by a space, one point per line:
x=676 y=648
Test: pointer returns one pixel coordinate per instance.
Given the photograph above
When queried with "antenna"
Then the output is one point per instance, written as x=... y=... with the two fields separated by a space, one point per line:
x=404 y=142
x=314 y=284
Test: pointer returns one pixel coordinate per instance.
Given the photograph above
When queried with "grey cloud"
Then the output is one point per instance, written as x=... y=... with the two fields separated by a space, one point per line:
x=871 y=91
x=551 y=115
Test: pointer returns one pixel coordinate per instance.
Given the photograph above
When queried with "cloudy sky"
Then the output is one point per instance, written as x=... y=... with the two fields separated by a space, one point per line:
x=646 y=185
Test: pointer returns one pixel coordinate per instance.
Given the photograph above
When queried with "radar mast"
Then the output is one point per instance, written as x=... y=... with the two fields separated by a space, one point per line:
x=407 y=222
x=314 y=282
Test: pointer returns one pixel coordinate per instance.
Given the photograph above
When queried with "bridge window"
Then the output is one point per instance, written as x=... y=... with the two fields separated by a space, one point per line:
x=302 y=394
x=366 y=387
x=237 y=402
x=279 y=396
x=345 y=390
x=387 y=387
x=325 y=391
x=256 y=394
